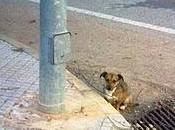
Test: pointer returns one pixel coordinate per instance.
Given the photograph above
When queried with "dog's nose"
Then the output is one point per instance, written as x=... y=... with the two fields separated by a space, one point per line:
x=108 y=88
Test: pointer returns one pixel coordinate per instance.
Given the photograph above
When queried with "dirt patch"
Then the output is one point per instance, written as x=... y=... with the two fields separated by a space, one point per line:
x=143 y=57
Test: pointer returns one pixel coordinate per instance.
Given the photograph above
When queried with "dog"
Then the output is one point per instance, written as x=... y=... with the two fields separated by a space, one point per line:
x=117 y=92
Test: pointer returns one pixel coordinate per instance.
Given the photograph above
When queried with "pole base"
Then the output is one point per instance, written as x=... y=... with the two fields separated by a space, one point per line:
x=51 y=109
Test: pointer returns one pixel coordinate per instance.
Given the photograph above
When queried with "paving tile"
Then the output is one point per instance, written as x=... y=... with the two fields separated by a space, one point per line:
x=18 y=71
x=2 y=45
x=34 y=87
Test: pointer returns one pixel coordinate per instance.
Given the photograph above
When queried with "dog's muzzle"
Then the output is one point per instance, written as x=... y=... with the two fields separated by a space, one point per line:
x=109 y=89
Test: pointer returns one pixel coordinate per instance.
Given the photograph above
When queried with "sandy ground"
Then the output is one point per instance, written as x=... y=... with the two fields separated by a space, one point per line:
x=145 y=58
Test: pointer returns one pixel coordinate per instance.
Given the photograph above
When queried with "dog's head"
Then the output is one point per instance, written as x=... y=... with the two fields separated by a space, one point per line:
x=111 y=80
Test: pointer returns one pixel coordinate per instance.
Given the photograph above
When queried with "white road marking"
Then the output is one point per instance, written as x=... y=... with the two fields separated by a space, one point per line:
x=119 y=19
x=123 y=20
x=36 y=1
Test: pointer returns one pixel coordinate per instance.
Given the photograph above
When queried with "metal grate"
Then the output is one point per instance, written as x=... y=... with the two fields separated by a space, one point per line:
x=161 y=118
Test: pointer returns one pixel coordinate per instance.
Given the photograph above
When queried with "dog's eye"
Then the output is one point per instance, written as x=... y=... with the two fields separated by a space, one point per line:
x=114 y=81
x=107 y=80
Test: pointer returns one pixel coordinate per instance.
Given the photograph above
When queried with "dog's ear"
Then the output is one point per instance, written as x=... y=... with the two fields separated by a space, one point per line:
x=103 y=74
x=120 y=77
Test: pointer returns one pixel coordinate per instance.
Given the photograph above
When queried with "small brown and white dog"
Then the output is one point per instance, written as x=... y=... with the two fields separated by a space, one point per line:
x=117 y=92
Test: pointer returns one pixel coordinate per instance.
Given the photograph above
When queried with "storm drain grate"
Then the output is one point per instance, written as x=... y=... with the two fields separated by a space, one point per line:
x=161 y=118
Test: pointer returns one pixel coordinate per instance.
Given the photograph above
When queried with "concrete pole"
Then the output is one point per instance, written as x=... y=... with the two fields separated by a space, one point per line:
x=54 y=47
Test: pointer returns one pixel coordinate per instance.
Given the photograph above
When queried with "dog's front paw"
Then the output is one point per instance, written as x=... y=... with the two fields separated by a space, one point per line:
x=123 y=107
x=114 y=98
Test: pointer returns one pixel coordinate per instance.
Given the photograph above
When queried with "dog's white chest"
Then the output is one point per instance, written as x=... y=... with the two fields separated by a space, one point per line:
x=108 y=94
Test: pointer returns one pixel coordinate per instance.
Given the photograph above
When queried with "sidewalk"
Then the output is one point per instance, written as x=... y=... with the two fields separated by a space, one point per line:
x=85 y=109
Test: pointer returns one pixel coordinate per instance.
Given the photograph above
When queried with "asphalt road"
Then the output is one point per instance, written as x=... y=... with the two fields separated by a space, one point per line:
x=156 y=12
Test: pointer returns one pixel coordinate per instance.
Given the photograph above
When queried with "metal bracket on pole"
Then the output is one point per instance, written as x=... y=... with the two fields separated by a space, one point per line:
x=62 y=33
x=61 y=55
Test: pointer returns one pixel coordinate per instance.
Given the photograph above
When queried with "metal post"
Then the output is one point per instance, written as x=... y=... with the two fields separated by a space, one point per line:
x=54 y=49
